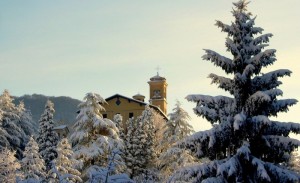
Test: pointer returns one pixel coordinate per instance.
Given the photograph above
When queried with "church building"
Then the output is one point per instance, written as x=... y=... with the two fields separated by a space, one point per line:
x=133 y=106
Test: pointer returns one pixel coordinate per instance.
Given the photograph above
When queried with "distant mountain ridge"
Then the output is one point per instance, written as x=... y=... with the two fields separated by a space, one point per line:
x=65 y=107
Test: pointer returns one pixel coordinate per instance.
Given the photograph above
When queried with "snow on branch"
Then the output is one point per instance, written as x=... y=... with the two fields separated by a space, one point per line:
x=229 y=168
x=269 y=80
x=239 y=121
x=195 y=173
x=261 y=171
x=208 y=143
x=225 y=63
x=262 y=39
x=225 y=28
x=214 y=109
x=224 y=83
x=263 y=58
x=273 y=93
x=233 y=48
x=256 y=30
x=282 y=128
x=279 y=174
x=281 y=106
x=279 y=144
x=257 y=99
x=249 y=23
x=248 y=71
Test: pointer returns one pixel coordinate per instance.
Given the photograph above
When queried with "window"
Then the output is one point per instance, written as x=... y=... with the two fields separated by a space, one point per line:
x=104 y=115
x=156 y=94
x=131 y=115
x=118 y=102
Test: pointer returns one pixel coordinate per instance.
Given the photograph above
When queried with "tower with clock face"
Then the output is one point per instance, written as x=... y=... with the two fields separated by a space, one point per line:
x=158 y=92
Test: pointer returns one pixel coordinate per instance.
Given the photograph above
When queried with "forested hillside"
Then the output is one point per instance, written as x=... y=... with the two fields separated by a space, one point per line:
x=65 y=107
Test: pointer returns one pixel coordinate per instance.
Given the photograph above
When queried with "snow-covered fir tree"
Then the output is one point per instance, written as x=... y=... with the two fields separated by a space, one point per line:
x=145 y=147
x=176 y=129
x=109 y=174
x=138 y=149
x=294 y=162
x=47 y=138
x=94 y=137
x=244 y=144
x=147 y=121
x=178 y=126
x=118 y=119
x=8 y=166
x=32 y=165
x=139 y=153
x=65 y=163
x=129 y=147
x=25 y=120
x=14 y=133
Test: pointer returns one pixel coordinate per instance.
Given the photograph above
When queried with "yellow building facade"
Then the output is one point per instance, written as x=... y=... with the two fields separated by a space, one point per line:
x=130 y=107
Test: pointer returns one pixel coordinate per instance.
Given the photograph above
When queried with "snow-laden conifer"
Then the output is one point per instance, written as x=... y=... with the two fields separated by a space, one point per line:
x=109 y=174
x=25 y=120
x=140 y=155
x=129 y=147
x=8 y=166
x=32 y=165
x=145 y=146
x=65 y=163
x=118 y=119
x=94 y=137
x=245 y=145
x=138 y=149
x=294 y=162
x=47 y=138
x=178 y=126
x=147 y=121
x=176 y=129
x=12 y=133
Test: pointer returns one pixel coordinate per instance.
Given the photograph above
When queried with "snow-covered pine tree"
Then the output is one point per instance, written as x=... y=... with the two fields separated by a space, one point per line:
x=145 y=146
x=94 y=137
x=147 y=120
x=25 y=120
x=8 y=166
x=245 y=145
x=138 y=149
x=47 y=138
x=294 y=162
x=176 y=129
x=118 y=119
x=128 y=154
x=32 y=165
x=178 y=126
x=12 y=134
x=66 y=164
x=109 y=174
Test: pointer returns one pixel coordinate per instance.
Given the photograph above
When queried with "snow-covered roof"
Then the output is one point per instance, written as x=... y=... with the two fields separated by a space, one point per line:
x=138 y=95
x=60 y=127
x=139 y=102
x=157 y=78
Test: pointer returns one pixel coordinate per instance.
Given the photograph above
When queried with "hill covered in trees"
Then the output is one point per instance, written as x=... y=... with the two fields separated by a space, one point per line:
x=65 y=107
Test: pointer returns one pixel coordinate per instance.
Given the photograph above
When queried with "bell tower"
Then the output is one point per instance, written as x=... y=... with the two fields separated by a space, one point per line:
x=158 y=92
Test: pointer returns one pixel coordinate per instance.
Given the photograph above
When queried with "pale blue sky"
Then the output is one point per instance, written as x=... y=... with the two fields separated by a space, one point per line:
x=72 y=47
